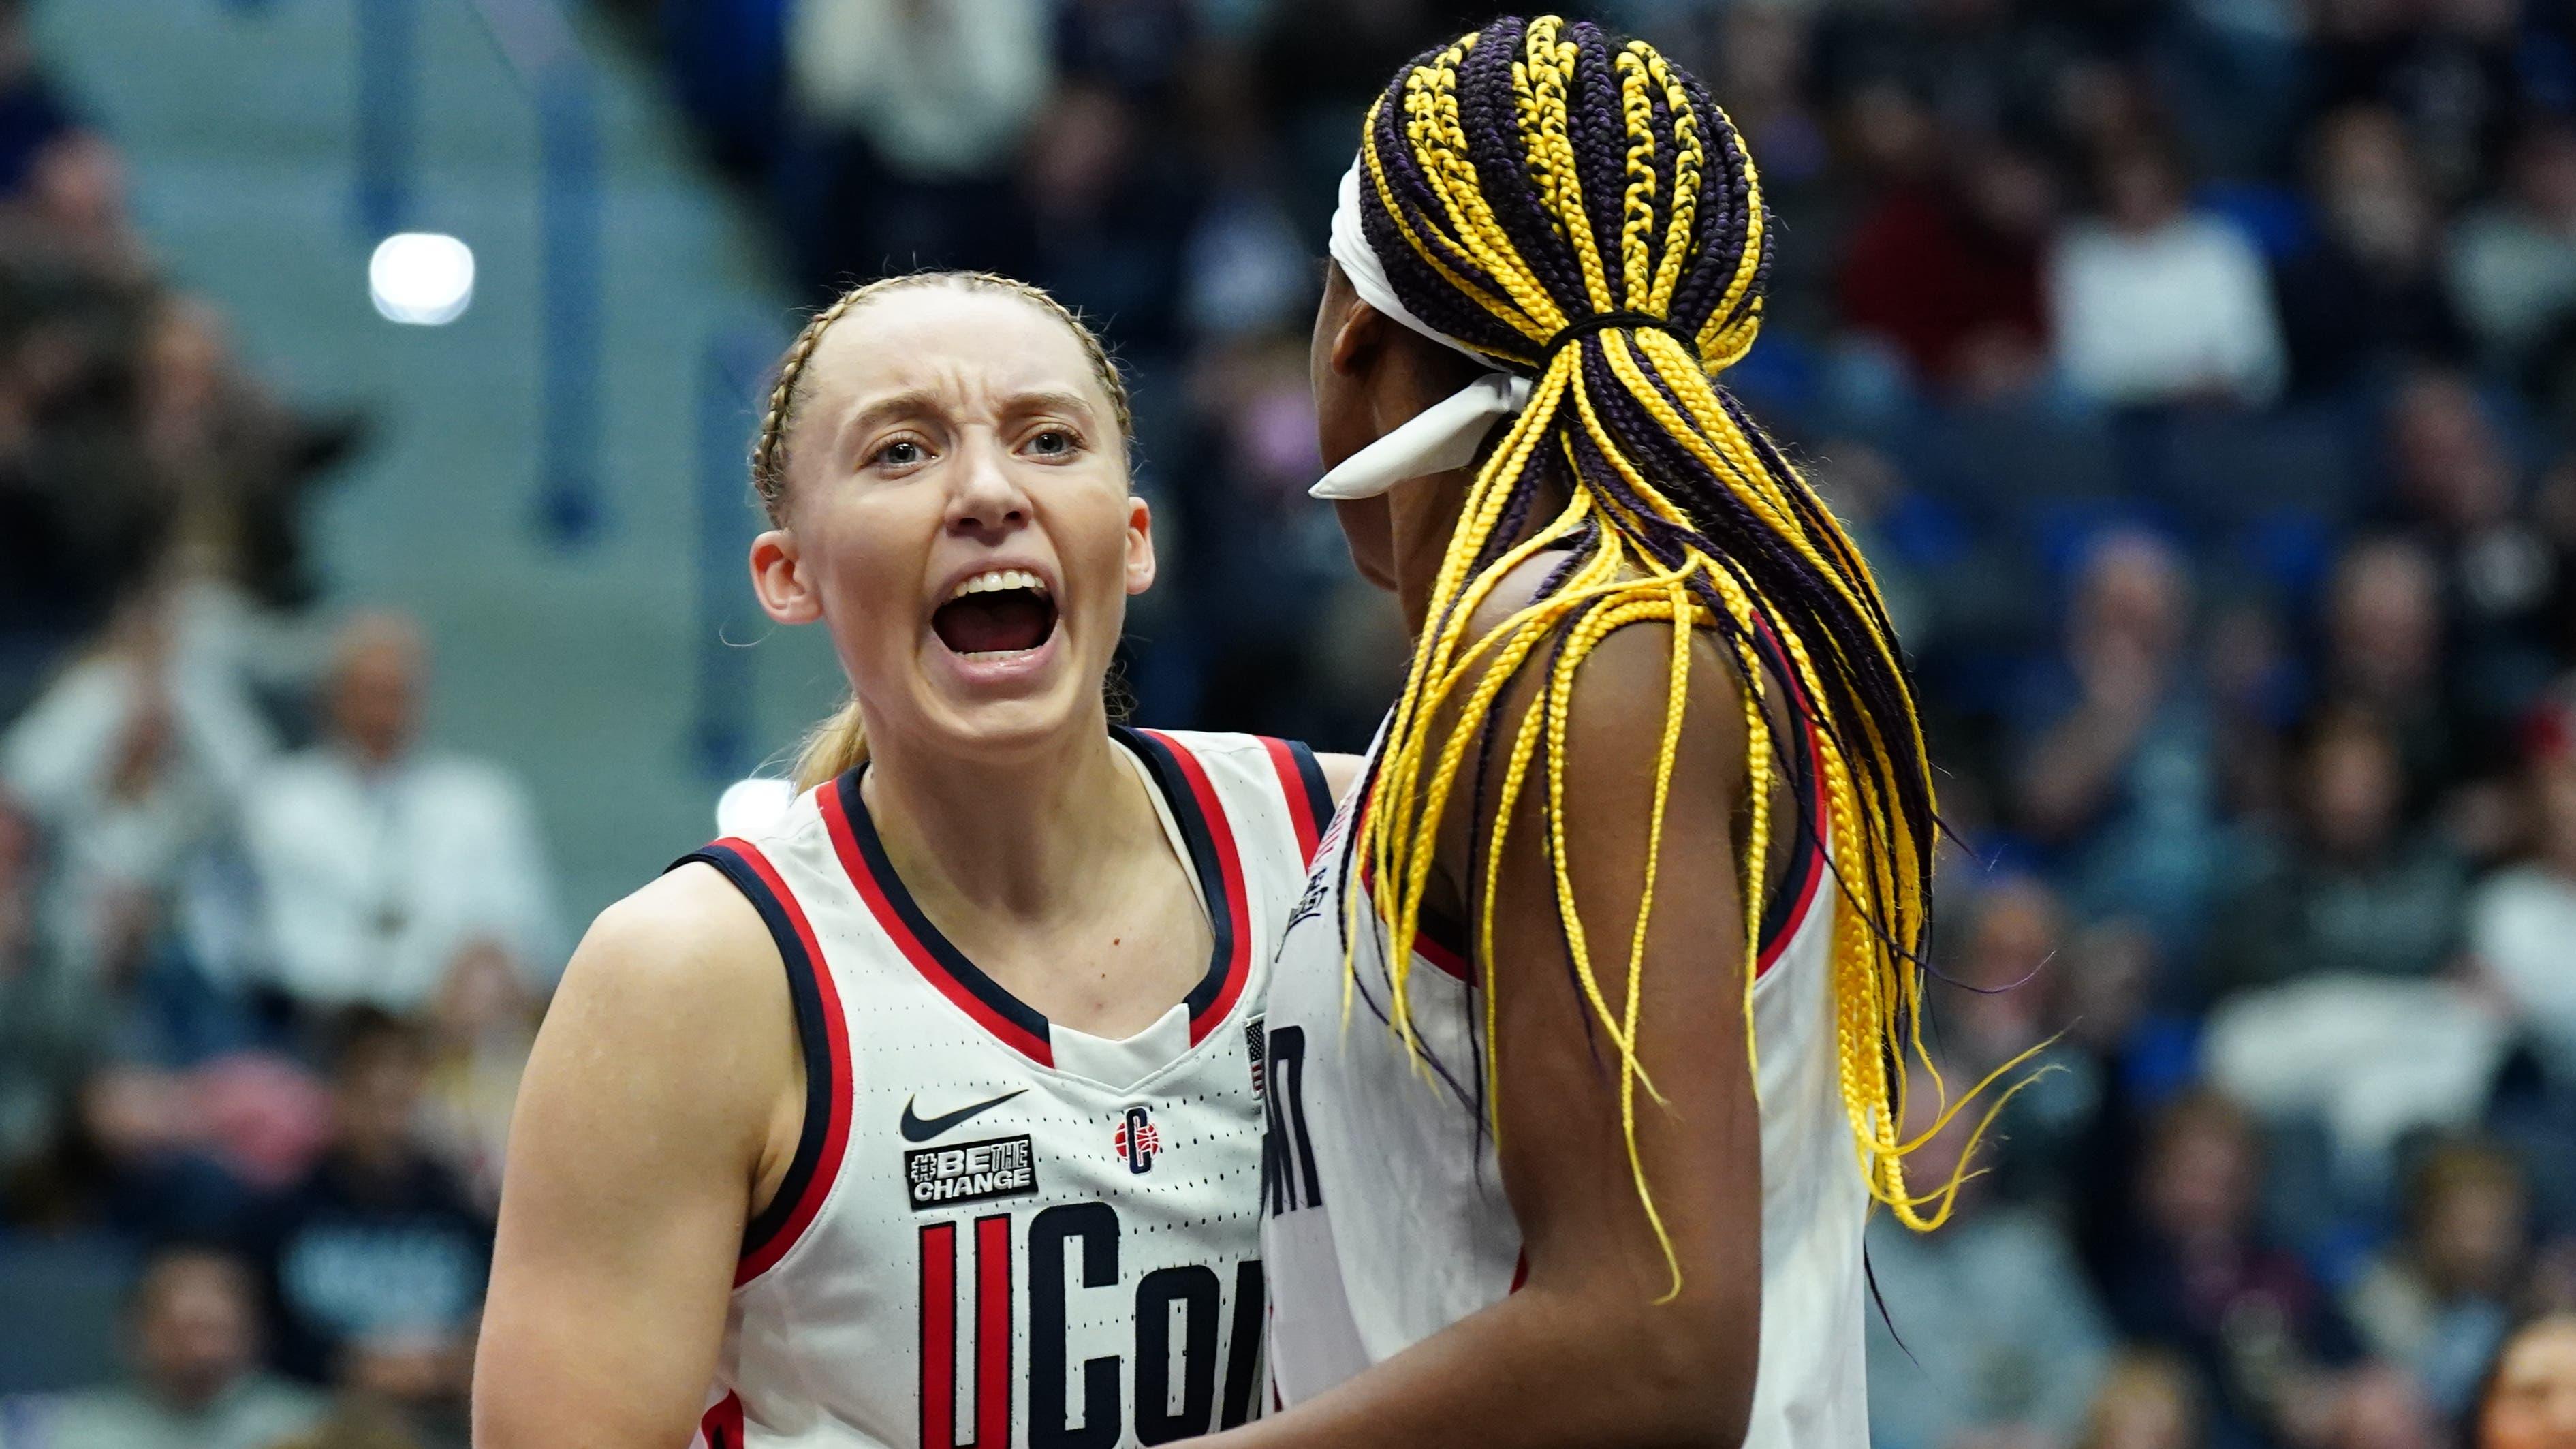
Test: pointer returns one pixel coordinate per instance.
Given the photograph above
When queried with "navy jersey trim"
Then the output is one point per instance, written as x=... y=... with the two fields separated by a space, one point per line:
x=822 y=1038
x=1200 y=813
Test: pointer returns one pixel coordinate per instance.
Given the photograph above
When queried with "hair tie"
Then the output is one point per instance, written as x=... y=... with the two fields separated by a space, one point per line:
x=1583 y=327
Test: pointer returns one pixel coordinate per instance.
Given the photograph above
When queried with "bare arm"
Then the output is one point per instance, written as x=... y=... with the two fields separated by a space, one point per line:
x=647 y=1127
x=1341 y=772
x=1584 y=1354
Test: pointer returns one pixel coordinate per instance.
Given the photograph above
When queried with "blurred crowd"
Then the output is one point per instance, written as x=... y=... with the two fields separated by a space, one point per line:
x=2200 y=378
x=269 y=963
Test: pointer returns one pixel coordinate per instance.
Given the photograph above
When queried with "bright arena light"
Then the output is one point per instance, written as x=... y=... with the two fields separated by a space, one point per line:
x=421 y=278
x=750 y=807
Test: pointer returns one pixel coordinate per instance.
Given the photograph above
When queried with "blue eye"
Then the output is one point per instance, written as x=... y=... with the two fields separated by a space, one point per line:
x=901 y=453
x=1054 y=443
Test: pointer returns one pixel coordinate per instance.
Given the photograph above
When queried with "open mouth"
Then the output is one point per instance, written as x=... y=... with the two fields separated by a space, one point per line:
x=995 y=614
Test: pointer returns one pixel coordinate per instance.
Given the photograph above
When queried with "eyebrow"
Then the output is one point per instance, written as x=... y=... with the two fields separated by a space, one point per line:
x=920 y=400
x=1047 y=400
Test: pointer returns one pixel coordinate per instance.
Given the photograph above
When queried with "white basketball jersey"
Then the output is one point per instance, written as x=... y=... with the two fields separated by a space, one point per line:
x=997 y=1231
x=1385 y=1216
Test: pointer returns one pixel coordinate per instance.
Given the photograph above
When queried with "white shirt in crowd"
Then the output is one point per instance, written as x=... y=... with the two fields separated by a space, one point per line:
x=62 y=758
x=2521 y=922
x=2149 y=318
x=940 y=87
x=374 y=881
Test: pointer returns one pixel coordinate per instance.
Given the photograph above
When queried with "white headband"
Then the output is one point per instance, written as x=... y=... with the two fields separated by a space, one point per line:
x=1444 y=435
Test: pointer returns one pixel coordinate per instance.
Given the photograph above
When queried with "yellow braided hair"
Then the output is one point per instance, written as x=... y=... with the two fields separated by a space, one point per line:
x=1538 y=176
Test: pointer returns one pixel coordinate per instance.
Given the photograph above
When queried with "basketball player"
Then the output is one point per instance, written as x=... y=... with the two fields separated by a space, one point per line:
x=1586 y=1160
x=931 y=1116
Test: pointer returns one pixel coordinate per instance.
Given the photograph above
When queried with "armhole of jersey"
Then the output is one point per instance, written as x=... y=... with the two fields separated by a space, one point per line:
x=1301 y=782
x=1437 y=939
x=1795 y=900
x=822 y=1035
x=721 y=1428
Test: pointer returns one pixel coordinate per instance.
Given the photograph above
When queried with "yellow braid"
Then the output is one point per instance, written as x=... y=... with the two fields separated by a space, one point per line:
x=1456 y=679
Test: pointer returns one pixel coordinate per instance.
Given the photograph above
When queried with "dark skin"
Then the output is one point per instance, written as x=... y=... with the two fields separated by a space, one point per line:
x=1584 y=1353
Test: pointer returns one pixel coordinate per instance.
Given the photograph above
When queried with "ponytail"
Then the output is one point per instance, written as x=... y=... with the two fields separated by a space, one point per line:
x=833 y=748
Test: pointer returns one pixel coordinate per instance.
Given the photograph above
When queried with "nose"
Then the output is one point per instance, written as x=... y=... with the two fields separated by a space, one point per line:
x=984 y=500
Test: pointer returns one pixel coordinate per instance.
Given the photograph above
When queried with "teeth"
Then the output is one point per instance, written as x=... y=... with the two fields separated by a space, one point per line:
x=997 y=580
x=985 y=656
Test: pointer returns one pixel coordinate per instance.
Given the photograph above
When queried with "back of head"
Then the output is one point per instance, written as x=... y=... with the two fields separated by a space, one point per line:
x=1574 y=209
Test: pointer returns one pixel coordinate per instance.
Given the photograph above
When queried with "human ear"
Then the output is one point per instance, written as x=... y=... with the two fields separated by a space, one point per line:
x=778 y=577
x=1356 y=338
x=1140 y=546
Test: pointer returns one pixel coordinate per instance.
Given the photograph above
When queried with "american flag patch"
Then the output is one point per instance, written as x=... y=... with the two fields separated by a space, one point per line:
x=1257 y=1042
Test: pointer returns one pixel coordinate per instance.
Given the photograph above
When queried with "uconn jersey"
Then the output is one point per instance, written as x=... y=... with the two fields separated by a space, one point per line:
x=1385 y=1219
x=998 y=1231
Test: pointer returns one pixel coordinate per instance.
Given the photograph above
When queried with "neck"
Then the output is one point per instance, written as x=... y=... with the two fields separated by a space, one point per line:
x=1019 y=839
x=1422 y=516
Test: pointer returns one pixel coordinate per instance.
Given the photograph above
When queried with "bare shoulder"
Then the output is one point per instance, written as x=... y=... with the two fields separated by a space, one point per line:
x=1341 y=772
x=681 y=970
x=685 y=944
x=1624 y=681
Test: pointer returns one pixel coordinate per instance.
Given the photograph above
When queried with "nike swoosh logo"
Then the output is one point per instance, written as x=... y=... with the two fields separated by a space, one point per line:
x=922 y=1129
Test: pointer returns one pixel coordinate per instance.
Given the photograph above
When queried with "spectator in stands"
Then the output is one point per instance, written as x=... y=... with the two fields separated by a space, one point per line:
x=2148 y=1400
x=2528 y=1400
x=2118 y=776
x=2380 y=1407
x=2384 y=655
x=923 y=106
x=31 y=111
x=2200 y=1276
x=1997 y=987
x=2513 y=260
x=2522 y=920
x=2349 y=889
x=2458 y=490
x=130 y=1158
x=481 y=1029
x=2369 y=294
x=72 y=209
x=135 y=762
x=1112 y=213
x=1948 y=273
x=2448 y=68
x=2437 y=1302
x=48 y=1015
x=2017 y=987
x=2156 y=303
x=1990 y=1328
x=195 y=1342
x=382 y=863
x=377 y=1260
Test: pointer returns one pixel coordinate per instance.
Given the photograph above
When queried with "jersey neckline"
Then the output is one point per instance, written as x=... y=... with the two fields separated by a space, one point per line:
x=1193 y=803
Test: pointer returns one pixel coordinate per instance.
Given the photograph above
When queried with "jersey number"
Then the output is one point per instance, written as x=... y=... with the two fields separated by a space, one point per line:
x=1288 y=1179
x=1081 y=1239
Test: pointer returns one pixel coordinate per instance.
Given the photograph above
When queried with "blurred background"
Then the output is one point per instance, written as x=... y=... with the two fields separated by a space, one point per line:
x=375 y=380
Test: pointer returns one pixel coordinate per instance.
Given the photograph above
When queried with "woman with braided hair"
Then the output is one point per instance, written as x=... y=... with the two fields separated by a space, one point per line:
x=1587 y=1050
x=929 y=1115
